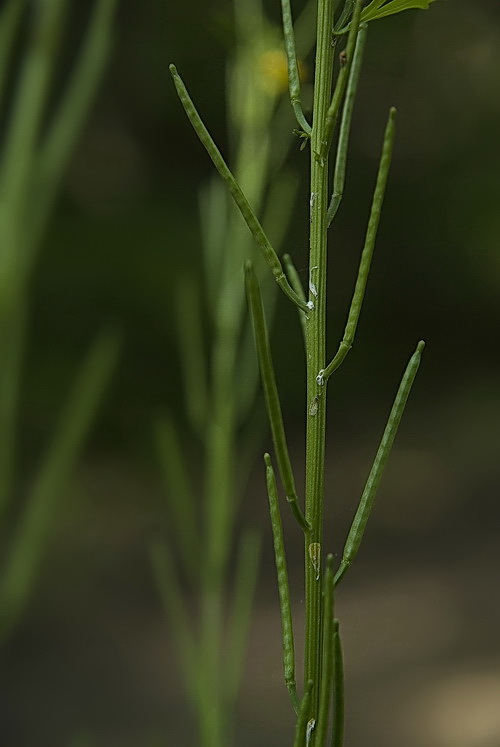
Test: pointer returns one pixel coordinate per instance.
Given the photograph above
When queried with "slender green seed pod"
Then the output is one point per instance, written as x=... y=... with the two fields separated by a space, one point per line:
x=271 y=392
x=293 y=70
x=340 y=86
x=283 y=587
x=367 y=254
x=345 y=125
x=338 y=689
x=303 y=726
x=358 y=526
x=327 y=657
x=241 y=201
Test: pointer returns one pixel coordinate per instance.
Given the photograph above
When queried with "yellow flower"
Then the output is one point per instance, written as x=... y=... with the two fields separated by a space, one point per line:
x=274 y=71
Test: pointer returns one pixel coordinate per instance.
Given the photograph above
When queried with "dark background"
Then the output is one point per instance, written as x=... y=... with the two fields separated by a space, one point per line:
x=420 y=611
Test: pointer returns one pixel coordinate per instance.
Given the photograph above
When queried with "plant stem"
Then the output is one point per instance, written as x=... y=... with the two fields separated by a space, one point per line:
x=315 y=347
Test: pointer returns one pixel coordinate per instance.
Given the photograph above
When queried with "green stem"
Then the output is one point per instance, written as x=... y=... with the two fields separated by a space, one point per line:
x=219 y=510
x=211 y=713
x=176 y=613
x=315 y=355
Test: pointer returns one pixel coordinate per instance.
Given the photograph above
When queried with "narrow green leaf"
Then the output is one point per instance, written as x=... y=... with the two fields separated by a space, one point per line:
x=373 y=7
x=358 y=526
x=381 y=8
x=271 y=392
x=367 y=254
x=74 y=424
x=241 y=201
x=283 y=586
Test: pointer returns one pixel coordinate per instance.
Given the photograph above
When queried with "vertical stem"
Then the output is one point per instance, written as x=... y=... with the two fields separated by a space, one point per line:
x=315 y=351
x=219 y=514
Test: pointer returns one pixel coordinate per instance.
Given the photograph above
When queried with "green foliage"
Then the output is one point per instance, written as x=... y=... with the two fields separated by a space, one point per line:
x=220 y=379
x=320 y=710
x=382 y=8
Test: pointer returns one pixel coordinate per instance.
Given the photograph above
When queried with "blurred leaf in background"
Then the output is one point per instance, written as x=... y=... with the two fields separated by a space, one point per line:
x=35 y=150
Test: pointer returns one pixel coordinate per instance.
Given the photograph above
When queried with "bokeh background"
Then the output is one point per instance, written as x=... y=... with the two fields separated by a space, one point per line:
x=420 y=610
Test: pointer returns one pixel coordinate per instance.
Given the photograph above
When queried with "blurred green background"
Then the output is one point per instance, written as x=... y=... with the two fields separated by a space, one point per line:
x=420 y=611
